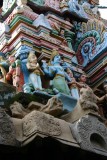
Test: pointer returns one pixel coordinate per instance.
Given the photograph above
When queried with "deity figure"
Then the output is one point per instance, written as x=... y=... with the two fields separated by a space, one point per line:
x=35 y=71
x=56 y=72
x=14 y=71
x=3 y=69
x=2 y=74
x=73 y=84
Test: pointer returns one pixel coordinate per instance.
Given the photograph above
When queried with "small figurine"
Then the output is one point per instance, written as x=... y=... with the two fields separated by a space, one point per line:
x=73 y=84
x=35 y=71
x=14 y=71
x=3 y=69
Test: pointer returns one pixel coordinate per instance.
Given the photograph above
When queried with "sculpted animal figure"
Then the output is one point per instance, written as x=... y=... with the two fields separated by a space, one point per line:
x=88 y=99
x=53 y=107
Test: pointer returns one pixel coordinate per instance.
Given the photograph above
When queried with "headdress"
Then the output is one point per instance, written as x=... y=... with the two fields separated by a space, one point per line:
x=54 y=53
x=30 y=54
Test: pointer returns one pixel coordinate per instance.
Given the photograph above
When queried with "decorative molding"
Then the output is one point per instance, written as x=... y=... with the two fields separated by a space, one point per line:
x=91 y=133
x=39 y=122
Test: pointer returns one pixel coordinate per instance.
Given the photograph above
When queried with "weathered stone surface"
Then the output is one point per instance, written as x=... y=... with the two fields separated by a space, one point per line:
x=7 y=131
x=85 y=105
x=40 y=122
x=91 y=133
x=6 y=92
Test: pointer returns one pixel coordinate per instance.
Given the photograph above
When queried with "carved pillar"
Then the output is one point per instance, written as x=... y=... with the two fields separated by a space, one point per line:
x=69 y=37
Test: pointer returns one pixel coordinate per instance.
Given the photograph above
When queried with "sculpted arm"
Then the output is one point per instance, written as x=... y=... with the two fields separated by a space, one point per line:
x=48 y=70
x=100 y=99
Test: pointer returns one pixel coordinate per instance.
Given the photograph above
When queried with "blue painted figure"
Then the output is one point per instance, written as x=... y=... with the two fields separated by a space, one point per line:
x=56 y=72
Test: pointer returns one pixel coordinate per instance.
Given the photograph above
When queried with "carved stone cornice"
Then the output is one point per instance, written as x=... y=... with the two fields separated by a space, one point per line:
x=91 y=134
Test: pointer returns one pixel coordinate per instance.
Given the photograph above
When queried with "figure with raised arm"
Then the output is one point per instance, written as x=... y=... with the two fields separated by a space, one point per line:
x=56 y=72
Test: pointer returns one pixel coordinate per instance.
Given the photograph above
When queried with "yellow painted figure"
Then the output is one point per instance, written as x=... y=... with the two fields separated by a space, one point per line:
x=35 y=71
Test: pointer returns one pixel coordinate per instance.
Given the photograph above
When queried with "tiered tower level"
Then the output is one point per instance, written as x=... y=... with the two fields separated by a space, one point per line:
x=48 y=49
x=73 y=27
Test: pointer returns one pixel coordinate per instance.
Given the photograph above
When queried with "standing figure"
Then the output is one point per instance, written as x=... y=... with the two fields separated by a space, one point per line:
x=3 y=69
x=14 y=71
x=2 y=75
x=35 y=71
x=56 y=72
x=73 y=84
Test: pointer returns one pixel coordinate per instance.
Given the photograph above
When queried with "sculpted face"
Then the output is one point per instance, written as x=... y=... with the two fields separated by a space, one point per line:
x=83 y=78
x=12 y=59
x=33 y=58
x=57 y=59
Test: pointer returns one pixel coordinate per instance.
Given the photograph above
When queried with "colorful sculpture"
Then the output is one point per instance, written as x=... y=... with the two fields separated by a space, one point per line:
x=56 y=72
x=14 y=72
x=35 y=71
x=92 y=42
x=73 y=84
x=82 y=81
x=3 y=69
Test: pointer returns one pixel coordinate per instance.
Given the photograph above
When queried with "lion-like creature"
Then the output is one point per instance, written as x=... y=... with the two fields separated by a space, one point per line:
x=88 y=99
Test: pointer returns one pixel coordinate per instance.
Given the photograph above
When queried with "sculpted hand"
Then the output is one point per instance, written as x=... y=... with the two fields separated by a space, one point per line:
x=43 y=61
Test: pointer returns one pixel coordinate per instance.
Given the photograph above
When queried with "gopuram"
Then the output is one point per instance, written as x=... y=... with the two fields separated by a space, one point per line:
x=53 y=80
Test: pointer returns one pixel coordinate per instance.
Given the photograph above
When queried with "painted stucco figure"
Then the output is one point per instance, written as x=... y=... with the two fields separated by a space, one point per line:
x=56 y=72
x=14 y=71
x=73 y=84
x=3 y=69
x=35 y=71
